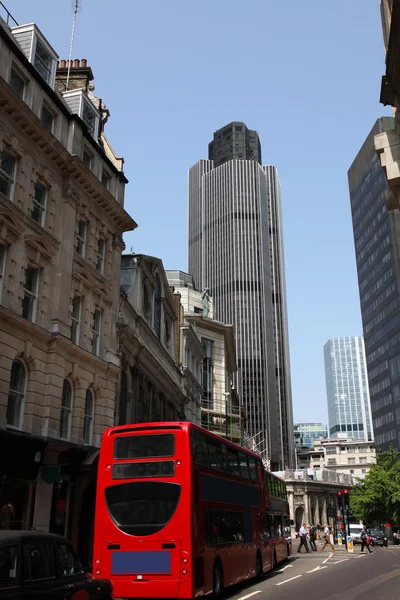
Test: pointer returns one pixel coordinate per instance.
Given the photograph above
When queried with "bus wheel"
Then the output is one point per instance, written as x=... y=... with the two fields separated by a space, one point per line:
x=218 y=582
x=259 y=566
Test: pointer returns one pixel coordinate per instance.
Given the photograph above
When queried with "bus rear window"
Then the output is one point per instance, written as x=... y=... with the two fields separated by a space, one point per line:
x=144 y=446
x=143 y=507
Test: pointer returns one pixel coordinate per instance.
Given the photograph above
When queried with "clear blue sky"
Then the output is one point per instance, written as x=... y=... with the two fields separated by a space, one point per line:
x=305 y=74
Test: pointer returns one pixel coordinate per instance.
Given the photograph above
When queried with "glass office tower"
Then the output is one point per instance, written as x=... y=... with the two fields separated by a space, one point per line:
x=236 y=250
x=376 y=234
x=349 y=409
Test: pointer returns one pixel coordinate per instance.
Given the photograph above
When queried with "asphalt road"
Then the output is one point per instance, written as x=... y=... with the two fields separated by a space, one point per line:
x=328 y=576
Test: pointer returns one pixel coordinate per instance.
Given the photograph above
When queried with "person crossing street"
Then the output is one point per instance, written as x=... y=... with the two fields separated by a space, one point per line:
x=327 y=539
x=303 y=538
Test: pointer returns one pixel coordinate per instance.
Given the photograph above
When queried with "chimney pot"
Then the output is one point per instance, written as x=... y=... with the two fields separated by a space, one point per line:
x=70 y=64
x=76 y=63
x=63 y=64
x=84 y=62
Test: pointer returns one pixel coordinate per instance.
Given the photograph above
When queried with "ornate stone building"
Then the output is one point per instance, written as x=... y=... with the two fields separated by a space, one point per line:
x=312 y=496
x=61 y=223
x=151 y=382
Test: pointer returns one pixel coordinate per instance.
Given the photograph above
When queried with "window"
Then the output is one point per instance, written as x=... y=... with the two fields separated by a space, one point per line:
x=88 y=419
x=101 y=250
x=67 y=560
x=81 y=238
x=42 y=61
x=89 y=118
x=157 y=308
x=66 y=409
x=331 y=449
x=8 y=565
x=105 y=179
x=75 y=319
x=2 y=266
x=38 y=560
x=47 y=118
x=16 y=395
x=39 y=202
x=363 y=459
x=7 y=173
x=17 y=83
x=331 y=461
x=223 y=527
x=144 y=446
x=351 y=461
x=96 y=332
x=30 y=293
x=87 y=158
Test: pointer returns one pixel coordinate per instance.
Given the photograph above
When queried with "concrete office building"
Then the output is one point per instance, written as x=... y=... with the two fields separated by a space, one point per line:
x=377 y=255
x=236 y=250
x=349 y=410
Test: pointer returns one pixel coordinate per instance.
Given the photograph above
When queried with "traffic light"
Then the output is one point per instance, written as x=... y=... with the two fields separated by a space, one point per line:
x=346 y=498
x=340 y=500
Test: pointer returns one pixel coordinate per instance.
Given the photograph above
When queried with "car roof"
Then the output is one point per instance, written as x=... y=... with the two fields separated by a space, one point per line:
x=12 y=536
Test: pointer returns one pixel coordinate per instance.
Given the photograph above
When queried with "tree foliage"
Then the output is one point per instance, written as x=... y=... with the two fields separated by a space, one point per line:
x=376 y=499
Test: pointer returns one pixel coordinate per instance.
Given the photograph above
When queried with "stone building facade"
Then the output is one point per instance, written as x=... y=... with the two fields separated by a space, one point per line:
x=61 y=223
x=151 y=382
x=219 y=402
x=312 y=496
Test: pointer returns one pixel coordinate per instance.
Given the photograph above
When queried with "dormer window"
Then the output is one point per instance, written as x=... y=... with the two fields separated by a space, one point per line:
x=80 y=105
x=37 y=50
x=43 y=61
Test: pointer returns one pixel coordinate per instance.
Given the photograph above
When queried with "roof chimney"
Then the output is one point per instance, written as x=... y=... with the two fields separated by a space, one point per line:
x=79 y=76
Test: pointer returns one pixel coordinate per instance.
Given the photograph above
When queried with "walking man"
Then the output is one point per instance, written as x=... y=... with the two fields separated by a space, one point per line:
x=303 y=538
x=313 y=534
x=364 y=540
x=327 y=539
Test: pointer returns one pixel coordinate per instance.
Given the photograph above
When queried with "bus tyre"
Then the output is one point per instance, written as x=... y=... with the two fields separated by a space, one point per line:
x=218 y=582
x=259 y=566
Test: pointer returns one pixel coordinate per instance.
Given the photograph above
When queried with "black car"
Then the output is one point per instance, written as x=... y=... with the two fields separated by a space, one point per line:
x=377 y=538
x=35 y=565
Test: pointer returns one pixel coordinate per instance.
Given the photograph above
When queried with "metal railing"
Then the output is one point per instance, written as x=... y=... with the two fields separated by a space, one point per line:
x=7 y=16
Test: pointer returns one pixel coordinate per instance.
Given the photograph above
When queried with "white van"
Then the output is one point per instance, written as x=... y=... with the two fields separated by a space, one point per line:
x=355 y=531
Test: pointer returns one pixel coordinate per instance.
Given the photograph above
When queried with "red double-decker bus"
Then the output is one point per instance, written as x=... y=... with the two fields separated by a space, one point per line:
x=181 y=512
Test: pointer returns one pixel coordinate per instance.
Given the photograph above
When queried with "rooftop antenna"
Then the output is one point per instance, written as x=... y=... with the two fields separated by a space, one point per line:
x=76 y=6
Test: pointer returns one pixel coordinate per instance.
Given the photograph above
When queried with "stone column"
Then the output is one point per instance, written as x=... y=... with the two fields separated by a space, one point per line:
x=316 y=511
x=307 y=511
x=324 y=512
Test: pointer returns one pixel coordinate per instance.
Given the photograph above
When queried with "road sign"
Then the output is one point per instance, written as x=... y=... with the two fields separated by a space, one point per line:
x=350 y=544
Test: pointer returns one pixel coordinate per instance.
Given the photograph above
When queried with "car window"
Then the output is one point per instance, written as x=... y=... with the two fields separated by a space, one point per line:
x=38 y=561
x=68 y=562
x=8 y=565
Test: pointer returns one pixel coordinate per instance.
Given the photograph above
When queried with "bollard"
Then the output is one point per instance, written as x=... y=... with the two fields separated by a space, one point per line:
x=350 y=544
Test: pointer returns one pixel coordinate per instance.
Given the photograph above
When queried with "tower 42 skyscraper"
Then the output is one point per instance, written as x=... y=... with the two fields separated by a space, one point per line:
x=236 y=250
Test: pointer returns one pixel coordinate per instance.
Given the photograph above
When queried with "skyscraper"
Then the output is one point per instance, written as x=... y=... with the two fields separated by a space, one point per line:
x=236 y=250
x=375 y=230
x=349 y=410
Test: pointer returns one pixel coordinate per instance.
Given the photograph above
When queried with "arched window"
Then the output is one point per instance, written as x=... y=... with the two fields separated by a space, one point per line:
x=88 y=419
x=16 y=395
x=157 y=308
x=66 y=410
x=123 y=399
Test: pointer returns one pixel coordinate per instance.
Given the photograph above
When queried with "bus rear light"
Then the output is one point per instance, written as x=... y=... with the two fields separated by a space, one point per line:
x=185 y=560
x=97 y=561
x=178 y=462
x=108 y=467
x=98 y=571
x=184 y=571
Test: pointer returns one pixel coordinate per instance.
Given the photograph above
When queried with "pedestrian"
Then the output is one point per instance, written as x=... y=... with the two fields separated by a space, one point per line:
x=327 y=539
x=303 y=538
x=313 y=534
x=364 y=540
